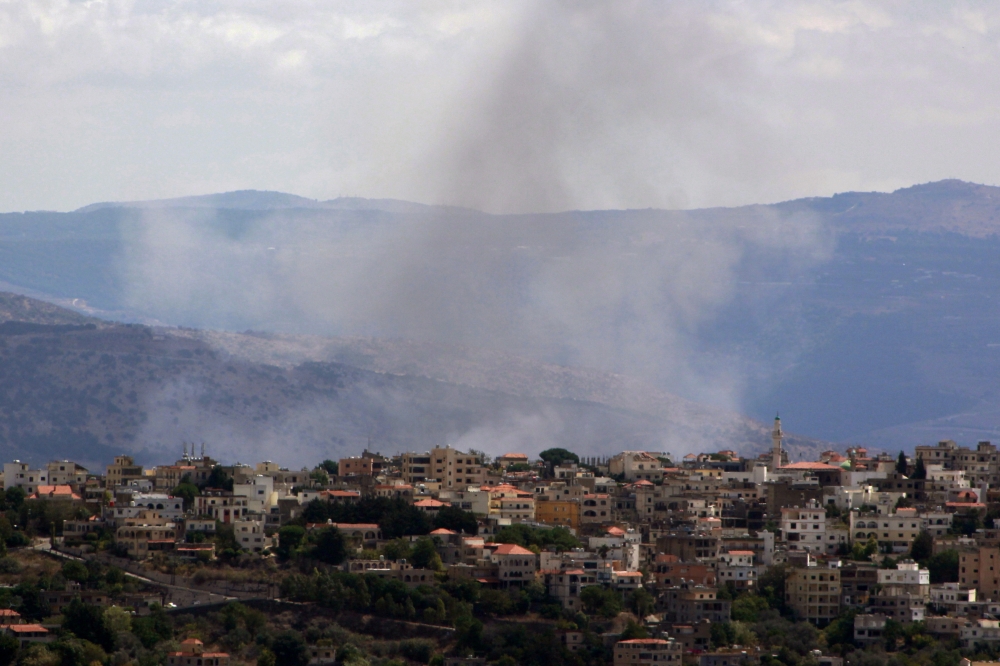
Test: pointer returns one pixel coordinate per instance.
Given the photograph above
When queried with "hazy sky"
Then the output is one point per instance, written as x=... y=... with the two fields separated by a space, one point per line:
x=506 y=106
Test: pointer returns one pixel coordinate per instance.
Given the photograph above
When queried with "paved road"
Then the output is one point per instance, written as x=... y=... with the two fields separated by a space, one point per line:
x=176 y=594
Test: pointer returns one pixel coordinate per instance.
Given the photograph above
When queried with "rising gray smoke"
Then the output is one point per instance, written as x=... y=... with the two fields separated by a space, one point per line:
x=589 y=106
x=595 y=105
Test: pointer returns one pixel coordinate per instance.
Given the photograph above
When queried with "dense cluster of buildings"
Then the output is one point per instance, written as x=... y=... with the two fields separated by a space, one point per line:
x=693 y=532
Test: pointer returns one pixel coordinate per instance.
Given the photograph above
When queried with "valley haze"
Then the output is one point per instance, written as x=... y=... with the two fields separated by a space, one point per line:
x=863 y=317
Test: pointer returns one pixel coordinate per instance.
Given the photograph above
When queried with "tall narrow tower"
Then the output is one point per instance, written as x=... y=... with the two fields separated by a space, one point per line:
x=776 y=445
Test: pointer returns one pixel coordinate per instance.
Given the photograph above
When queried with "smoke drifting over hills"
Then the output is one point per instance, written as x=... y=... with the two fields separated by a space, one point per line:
x=587 y=87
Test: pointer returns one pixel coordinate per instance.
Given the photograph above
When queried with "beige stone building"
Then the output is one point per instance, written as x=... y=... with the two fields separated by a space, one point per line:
x=648 y=651
x=121 y=472
x=453 y=468
x=979 y=569
x=814 y=593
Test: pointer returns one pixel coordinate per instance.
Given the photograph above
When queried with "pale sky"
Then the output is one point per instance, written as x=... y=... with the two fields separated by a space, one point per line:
x=505 y=106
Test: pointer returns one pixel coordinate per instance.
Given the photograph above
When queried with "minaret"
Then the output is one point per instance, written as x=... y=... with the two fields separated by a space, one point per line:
x=776 y=445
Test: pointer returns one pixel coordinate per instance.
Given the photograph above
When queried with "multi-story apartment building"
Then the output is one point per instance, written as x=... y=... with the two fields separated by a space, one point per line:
x=737 y=567
x=56 y=473
x=814 y=593
x=66 y=473
x=979 y=568
x=907 y=578
x=903 y=608
x=20 y=475
x=250 y=535
x=868 y=627
x=145 y=534
x=516 y=566
x=121 y=472
x=648 y=652
x=687 y=603
x=221 y=505
x=259 y=491
x=454 y=469
x=858 y=580
x=669 y=571
x=562 y=513
x=475 y=501
x=981 y=465
x=980 y=632
x=689 y=547
x=566 y=585
x=804 y=528
x=636 y=465
x=130 y=504
x=596 y=509
x=896 y=530
x=367 y=464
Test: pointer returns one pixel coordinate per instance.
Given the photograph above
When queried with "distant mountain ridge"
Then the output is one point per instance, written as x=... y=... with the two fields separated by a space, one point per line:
x=89 y=392
x=890 y=341
x=266 y=200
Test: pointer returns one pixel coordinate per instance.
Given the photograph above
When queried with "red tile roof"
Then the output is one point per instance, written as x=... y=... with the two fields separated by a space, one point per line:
x=429 y=503
x=817 y=466
x=512 y=549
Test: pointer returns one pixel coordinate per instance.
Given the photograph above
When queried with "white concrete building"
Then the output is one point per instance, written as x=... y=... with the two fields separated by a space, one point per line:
x=259 y=493
x=868 y=628
x=907 y=573
x=250 y=535
x=980 y=632
x=804 y=528
x=20 y=475
x=737 y=567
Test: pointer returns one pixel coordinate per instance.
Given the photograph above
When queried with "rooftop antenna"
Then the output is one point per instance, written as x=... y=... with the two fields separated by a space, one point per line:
x=203 y=450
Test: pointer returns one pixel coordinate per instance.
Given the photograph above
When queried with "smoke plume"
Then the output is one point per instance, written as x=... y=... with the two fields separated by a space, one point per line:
x=587 y=108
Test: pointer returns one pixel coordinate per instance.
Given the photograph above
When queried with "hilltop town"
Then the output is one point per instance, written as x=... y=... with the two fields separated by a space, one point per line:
x=453 y=557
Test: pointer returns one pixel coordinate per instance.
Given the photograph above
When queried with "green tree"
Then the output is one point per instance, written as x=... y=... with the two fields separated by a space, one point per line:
x=600 y=601
x=330 y=546
x=641 y=602
x=841 y=630
x=919 y=472
x=8 y=649
x=722 y=634
x=923 y=547
x=553 y=457
x=75 y=571
x=290 y=537
x=266 y=658
x=748 y=607
x=153 y=628
x=331 y=467
x=901 y=463
x=425 y=555
x=290 y=649
x=556 y=538
x=633 y=630
x=772 y=587
x=943 y=567
x=117 y=619
x=397 y=549
x=220 y=478
x=892 y=634
x=87 y=622
x=457 y=520
x=14 y=498
x=187 y=492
